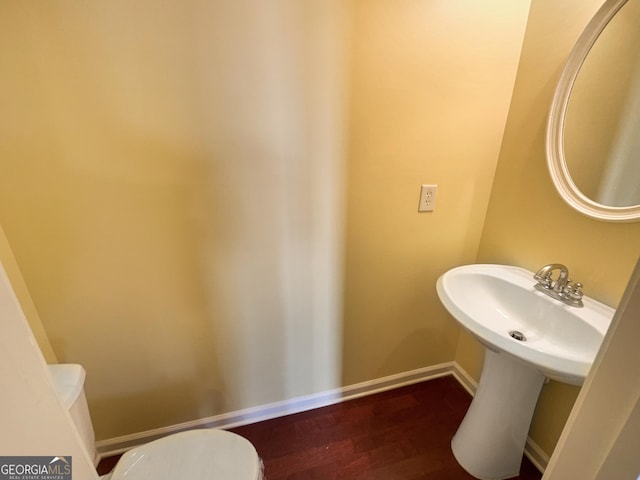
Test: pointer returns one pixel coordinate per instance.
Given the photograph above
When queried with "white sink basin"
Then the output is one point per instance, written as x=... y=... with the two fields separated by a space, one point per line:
x=490 y=301
x=559 y=341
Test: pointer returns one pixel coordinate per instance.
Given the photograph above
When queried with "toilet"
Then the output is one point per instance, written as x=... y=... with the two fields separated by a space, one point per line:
x=68 y=380
x=194 y=454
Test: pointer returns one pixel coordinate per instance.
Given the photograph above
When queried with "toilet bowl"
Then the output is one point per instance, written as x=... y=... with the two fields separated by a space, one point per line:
x=195 y=454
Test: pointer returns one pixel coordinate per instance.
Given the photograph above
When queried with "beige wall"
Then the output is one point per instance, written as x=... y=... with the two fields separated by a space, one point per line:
x=171 y=186
x=527 y=223
x=173 y=181
x=430 y=88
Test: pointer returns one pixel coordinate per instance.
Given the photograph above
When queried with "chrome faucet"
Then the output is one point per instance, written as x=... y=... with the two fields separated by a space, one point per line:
x=561 y=288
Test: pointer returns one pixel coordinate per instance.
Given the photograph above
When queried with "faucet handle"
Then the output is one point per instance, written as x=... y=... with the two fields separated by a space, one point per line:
x=576 y=292
x=572 y=294
x=567 y=288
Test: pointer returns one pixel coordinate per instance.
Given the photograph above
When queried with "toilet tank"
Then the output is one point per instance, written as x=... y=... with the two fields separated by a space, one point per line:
x=68 y=379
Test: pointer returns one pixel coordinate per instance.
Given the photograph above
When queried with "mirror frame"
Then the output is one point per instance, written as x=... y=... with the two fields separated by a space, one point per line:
x=555 y=127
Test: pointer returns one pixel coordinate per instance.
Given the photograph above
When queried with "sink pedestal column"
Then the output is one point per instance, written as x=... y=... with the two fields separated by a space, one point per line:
x=490 y=440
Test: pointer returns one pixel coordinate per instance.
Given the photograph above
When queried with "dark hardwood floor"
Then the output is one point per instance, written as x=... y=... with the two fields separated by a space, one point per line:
x=401 y=434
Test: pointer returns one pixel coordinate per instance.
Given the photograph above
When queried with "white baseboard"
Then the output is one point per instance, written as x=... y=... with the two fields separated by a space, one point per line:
x=536 y=455
x=464 y=379
x=118 y=445
x=121 y=444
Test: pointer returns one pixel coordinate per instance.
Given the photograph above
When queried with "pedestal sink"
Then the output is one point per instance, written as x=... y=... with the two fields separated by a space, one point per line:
x=528 y=336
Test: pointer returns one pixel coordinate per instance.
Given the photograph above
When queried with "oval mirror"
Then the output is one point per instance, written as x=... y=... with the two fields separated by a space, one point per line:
x=593 y=134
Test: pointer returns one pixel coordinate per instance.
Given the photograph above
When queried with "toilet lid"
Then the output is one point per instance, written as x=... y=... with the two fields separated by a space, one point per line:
x=191 y=455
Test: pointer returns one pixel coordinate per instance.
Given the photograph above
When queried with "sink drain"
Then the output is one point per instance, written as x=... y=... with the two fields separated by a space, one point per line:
x=517 y=335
